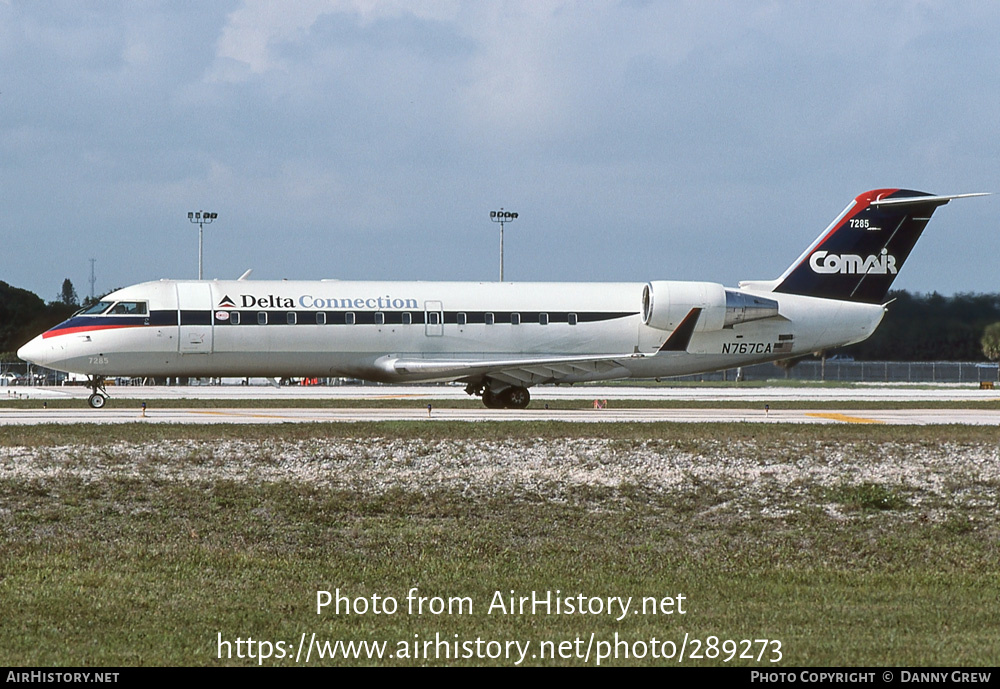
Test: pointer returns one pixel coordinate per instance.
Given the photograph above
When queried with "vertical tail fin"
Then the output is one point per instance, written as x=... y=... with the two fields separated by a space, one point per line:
x=858 y=255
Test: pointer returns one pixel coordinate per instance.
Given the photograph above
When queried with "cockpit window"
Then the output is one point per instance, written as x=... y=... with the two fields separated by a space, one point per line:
x=99 y=307
x=129 y=308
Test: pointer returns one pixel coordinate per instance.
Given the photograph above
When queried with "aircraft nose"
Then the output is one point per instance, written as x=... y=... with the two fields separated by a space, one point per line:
x=37 y=352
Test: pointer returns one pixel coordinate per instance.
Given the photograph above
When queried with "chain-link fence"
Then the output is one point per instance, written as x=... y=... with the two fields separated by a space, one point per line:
x=20 y=373
x=864 y=372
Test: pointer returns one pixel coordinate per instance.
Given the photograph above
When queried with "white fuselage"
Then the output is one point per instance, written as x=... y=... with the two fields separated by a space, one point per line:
x=365 y=329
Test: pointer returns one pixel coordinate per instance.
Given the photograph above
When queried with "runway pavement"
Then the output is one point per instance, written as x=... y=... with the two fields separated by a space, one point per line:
x=419 y=412
x=854 y=393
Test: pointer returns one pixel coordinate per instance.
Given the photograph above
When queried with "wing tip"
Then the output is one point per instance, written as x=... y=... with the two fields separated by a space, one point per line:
x=681 y=337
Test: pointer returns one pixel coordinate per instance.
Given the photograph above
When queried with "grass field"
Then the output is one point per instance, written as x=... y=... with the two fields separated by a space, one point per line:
x=141 y=545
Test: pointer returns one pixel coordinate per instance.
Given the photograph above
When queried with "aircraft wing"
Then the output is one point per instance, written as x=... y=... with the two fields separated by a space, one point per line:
x=525 y=372
x=521 y=372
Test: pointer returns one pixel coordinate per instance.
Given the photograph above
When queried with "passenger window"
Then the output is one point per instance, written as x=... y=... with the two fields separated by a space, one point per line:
x=433 y=318
x=290 y=317
x=515 y=319
x=234 y=317
x=407 y=318
x=379 y=318
x=543 y=319
x=349 y=318
x=488 y=318
x=571 y=318
x=461 y=318
x=262 y=318
x=321 y=318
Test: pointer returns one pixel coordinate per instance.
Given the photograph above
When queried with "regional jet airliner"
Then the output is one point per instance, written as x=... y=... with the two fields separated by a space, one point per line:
x=498 y=338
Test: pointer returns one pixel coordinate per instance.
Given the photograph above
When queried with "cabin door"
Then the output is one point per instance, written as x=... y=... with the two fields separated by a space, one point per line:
x=194 y=311
x=433 y=319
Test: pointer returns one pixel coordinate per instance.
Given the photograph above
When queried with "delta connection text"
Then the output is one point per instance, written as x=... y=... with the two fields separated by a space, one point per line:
x=308 y=301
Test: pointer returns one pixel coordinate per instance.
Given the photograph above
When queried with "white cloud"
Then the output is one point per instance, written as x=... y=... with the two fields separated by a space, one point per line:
x=254 y=30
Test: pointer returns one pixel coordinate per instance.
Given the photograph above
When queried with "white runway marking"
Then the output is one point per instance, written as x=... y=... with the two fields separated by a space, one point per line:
x=537 y=412
x=306 y=415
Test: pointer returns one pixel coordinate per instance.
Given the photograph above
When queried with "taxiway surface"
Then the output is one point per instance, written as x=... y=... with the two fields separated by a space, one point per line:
x=277 y=413
x=706 y=393
x=300 y=415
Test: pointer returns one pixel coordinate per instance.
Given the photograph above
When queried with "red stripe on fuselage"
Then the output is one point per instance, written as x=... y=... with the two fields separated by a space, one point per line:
x=86 y=329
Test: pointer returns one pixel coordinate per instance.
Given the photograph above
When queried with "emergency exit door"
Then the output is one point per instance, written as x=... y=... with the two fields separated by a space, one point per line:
x=433 y=319
x=194 y=311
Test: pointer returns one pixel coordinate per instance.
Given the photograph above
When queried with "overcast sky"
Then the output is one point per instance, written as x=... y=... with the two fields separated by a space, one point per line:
x=361 y=139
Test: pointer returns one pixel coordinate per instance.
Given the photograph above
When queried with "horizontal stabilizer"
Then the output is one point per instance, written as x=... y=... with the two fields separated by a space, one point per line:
x=937 y=200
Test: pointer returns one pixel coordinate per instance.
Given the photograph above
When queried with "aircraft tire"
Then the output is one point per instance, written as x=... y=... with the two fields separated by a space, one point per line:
x=516 y=398
x=97 y=401
x=492 y=400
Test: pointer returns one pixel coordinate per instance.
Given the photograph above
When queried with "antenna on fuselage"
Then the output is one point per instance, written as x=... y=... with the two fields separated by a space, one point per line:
x=245 y=275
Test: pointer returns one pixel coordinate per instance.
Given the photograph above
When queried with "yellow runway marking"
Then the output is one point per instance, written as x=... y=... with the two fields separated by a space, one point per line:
x=241 y=414
x=845 y=418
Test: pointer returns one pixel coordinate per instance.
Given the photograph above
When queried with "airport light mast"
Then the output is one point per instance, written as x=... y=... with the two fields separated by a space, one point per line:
x=201 y=218
x=501 y=216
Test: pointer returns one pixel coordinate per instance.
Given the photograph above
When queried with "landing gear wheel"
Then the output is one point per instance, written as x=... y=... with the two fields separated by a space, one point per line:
x=491 y=400
x=99 y=397
x=516 y=398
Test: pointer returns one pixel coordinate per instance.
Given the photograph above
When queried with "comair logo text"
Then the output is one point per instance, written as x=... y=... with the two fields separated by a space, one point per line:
x=852 y=264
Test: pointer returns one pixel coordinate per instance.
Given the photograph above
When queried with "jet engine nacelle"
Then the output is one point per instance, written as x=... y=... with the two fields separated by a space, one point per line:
x=665 y=304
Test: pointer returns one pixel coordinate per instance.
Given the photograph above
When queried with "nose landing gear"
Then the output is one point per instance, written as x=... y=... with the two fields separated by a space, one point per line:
x=100 y=396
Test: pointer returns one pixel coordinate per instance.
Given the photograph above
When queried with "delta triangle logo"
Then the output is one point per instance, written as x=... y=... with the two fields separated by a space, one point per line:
x=227 y=303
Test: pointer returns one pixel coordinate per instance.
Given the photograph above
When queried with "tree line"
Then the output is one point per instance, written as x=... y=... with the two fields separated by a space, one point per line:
x=930 y=327
x=917 y=327
x=24 y=314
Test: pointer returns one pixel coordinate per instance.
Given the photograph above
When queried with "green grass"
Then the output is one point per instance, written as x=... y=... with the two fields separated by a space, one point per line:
x=138 y=570
x=869 y=496
x=628 y=432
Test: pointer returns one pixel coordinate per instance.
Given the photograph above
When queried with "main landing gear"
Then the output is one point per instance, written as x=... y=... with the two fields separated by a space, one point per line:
x=100 y=396
x=513 y=397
